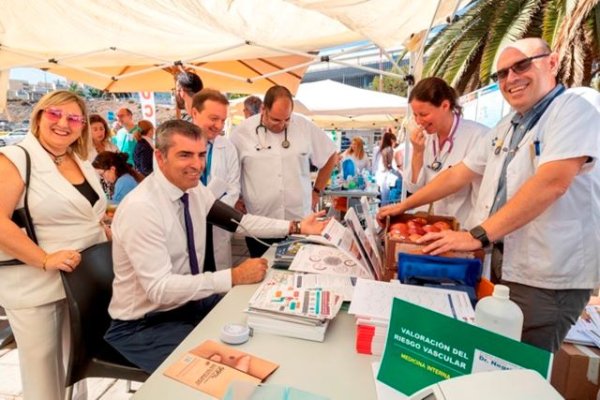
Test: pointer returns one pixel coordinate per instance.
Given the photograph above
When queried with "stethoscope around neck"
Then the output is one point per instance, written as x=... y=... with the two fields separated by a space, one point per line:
x=437 y=164
x=260 y=146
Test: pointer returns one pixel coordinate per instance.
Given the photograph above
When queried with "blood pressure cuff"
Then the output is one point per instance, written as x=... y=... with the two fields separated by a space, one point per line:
x=422 y=269
x=224 y=216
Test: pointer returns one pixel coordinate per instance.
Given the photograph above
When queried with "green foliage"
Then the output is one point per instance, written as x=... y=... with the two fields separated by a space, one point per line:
x=464 y=52
x=392 y=85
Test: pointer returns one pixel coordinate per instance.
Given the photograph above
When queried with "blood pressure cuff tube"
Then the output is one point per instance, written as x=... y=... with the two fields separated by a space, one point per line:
x=223 y=216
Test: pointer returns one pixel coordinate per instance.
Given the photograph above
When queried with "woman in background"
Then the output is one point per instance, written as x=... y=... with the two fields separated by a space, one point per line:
x=113 y=168
x=144 y=149
x=100 y=134
x=440 y=139
x=356 y=153
x=386 y=176
x=66 y=204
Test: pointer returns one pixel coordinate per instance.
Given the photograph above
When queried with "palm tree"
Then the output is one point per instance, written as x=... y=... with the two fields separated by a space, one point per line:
x=465 y=51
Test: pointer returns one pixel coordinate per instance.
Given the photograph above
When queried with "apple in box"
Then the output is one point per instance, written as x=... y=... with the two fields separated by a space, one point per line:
x=413 y=229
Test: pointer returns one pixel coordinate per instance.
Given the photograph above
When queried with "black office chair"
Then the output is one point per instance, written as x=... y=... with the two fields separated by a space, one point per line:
x=88 y=290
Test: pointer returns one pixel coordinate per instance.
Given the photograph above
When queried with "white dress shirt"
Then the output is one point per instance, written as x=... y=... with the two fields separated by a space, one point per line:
x=150 y=257
x=275 y=180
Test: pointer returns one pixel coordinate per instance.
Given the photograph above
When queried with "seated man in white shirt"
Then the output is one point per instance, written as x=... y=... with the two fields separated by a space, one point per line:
x=160 y=291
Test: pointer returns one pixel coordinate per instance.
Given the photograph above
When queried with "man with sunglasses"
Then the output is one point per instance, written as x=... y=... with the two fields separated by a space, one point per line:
x=538 y=206
x=275 y=148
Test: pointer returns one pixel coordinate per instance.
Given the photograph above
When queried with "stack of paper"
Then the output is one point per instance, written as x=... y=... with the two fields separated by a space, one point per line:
x=285 y=304
x=586 y=330
x=372 y=305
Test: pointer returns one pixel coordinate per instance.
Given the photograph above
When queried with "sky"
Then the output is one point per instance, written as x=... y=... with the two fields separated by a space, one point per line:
x=33 y=75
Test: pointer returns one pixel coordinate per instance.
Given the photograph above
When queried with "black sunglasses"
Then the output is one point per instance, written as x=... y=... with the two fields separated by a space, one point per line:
x=518 y=68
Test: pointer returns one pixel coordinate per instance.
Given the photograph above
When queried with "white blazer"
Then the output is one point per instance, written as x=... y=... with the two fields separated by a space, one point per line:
x=224 y=165
x=63 y=219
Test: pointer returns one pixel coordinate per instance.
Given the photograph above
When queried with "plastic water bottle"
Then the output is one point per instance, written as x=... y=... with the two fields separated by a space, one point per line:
x=497 y=313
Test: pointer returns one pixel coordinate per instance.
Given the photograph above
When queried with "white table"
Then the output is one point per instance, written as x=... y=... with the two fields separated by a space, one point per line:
x=332 y=368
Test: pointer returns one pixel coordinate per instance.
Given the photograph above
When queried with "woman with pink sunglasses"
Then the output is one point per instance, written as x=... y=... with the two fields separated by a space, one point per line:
x=66 y=204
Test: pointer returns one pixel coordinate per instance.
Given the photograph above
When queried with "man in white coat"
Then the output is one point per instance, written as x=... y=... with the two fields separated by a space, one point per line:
x=275 y=149
x=222 y=172
x=538 y=207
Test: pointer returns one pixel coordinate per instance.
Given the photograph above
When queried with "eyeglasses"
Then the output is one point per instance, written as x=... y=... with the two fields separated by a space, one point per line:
x=56 y=114
x=518 y=68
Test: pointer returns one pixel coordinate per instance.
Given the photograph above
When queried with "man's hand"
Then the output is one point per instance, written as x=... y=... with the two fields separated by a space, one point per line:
x=389 y=210
x=444 y=241
x=250 y=271
x=311 y=225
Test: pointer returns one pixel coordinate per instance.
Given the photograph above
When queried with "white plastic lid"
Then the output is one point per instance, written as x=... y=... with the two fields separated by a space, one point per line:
x=501 y=291
x=235 y=333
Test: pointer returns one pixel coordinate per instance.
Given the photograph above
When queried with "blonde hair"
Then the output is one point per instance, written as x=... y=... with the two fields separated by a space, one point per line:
x=57 y=98
x=360 y=146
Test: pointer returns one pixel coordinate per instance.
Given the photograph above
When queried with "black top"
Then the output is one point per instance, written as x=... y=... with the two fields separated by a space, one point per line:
x=142 y=157
x=88 y=192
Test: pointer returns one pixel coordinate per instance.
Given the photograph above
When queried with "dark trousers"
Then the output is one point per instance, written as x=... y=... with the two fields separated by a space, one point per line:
x=148 y=341
x=547 y=313
x=257 y=249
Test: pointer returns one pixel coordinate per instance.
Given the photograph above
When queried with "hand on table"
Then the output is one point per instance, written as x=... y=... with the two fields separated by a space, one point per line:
x=252 y=270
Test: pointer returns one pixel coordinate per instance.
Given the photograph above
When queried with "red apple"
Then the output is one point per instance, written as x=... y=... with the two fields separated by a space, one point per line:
x=431 y=228
x=442 y=225
x=420 y=221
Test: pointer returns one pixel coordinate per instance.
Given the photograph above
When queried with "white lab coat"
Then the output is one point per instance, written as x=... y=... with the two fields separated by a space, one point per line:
x=559 y=248
x=460 y=204
x=276 y=181
x=224 y=165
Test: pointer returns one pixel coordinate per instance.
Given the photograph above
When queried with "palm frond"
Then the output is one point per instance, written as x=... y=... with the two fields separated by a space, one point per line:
x=553 y=16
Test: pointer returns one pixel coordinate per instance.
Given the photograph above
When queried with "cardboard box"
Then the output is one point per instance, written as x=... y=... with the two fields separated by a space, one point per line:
x=393 y=246
x=575 y=373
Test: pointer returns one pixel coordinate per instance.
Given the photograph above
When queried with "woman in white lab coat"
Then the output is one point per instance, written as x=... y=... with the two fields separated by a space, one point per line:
x=441 y=138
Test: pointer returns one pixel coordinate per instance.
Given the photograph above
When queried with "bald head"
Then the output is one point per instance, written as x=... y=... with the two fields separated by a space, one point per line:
x=527 y=71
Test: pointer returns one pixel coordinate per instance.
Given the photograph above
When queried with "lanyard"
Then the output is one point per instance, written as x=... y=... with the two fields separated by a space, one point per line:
x=206 y=172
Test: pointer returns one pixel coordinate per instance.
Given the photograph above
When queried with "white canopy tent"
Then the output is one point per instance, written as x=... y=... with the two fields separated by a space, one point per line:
x=131 y=45
x=334 y=105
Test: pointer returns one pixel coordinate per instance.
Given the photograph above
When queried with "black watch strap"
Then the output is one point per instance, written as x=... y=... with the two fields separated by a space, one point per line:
x=480 y=234
x=317 y=191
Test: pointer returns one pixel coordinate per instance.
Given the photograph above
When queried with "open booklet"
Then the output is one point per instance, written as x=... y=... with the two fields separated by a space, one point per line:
x=355 y=243
x=212 y=367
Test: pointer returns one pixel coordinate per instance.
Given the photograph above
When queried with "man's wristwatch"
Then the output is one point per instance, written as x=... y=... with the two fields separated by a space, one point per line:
x=317 y=191
x=295 y=228
x=480 y=234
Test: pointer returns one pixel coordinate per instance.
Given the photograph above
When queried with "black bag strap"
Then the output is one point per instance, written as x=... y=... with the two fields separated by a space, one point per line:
x=21 y=216
x=28 y=227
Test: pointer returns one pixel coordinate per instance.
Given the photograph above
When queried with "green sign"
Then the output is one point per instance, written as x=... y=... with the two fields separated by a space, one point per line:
x=424 y=347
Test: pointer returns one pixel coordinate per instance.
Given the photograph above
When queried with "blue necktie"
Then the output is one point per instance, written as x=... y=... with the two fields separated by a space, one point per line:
x=206 y=173
x=189 y=233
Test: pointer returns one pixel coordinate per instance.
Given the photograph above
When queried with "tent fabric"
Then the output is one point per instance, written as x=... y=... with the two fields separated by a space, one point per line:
x=329 y=97
x=129 y=45
x=334 y=105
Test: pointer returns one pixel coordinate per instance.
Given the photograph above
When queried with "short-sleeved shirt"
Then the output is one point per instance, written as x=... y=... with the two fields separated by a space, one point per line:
x=276 y=181
x=559 y=248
